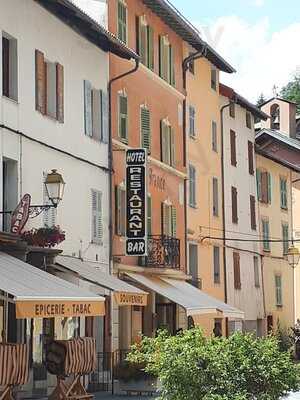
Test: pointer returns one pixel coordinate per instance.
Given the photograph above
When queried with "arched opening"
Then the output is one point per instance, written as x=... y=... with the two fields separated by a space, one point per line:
x=275 y=116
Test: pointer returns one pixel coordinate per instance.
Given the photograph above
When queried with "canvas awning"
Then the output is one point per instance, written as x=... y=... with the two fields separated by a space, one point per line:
x=194 y=300
x=124 y=293
x=38 y=294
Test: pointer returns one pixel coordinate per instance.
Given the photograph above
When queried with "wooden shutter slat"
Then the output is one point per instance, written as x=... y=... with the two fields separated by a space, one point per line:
x=40 y=82
x=234 y=205
x=59 y=92
x=252 y=212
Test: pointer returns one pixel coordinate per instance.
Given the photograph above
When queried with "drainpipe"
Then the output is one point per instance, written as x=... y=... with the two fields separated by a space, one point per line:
x=223 y=207
x=185 y=67
x=110 y=156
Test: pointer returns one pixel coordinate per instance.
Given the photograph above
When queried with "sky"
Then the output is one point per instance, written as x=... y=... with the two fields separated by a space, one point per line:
x=259 y=38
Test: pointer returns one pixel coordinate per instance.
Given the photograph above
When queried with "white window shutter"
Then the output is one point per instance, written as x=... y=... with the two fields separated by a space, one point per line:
x=97 y=223
x=105 y=133
x=88 y=122
x=174 y=221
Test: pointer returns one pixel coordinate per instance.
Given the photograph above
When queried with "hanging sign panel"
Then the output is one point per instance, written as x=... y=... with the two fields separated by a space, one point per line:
x=136 y=202
x=20 y=215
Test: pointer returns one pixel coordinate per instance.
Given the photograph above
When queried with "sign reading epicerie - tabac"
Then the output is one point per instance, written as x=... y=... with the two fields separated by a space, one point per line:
x=136 y=199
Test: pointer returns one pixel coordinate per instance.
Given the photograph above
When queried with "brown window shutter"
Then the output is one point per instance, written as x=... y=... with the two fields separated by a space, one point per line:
x=237 y=271
x=5 y=67
x=233 y=148
x=234 y=205
x=40 y=82
x=250 y=158
x=252 y=212
x=60 y=92
x=264 y=187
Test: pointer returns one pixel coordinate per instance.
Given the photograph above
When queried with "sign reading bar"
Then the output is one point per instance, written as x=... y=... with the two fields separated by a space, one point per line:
x=20 y=215
x=52 y=309
x=136 y=200
x=130 y=299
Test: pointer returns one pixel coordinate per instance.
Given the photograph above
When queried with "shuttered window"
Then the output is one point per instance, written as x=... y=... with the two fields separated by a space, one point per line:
x=264 y=186
x=122 y=22
x=193 y=261
x=215 y=194
x=5 y=67
x=216 y=260
x=192 y=122
x=145 y=42
x=214 y=136
x=145 y=129
x=285 y=238
x=237 y=271
x=252 y=212
x=169 y=220
x=166 y=61
x=168 y=153
x=278 y=290
x=266 y=234
x=214 y=78
x=123 y=118
x=95 y=113
x=234 y=205
x=49 y=87
x=149 y=215
x=97 y=223
x=233 y=148
x=256 y=271
x=250 y=158
x=232 y=110
x=283 y=194
x=248 y=120
x=120 y=202
x=9 y=66
x=192 y=186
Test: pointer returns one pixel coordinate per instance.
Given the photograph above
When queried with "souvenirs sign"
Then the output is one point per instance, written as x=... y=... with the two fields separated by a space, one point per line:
x=136 y=201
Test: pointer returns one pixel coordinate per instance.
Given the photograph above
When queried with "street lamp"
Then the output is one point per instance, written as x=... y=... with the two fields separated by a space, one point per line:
x=55 y=186
x=293 y=256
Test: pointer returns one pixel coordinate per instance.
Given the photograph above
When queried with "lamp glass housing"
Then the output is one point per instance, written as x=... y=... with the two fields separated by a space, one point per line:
x=55 y=186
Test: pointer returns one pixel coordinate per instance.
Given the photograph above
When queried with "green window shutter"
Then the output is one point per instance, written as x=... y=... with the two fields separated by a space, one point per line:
x=150 y=47
x=165 y=142
x=174 y=221
x=283 y=193
x=120 y=210
x=123 y=118
x=88 y=122
x=172 y=147
x=143 y=41
x=269 y=188
x=122 y=22
x=161 y=56
x=149 y=215
x=192 y=186
x=278 y=288
x=266 y=235
x=171 y=66
x=258 y=184
x=164 y=219
x=145 y=129
x=285 y=238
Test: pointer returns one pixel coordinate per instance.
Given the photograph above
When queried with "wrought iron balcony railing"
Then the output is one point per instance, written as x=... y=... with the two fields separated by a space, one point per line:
x=163 y=252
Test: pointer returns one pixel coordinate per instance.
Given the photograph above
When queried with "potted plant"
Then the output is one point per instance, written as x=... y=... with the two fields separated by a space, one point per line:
x=45 y=237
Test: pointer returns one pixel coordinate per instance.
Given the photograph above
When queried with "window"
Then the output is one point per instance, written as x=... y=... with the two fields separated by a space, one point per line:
x=167 y=144
x=122 y=22
x=49 y=87
x=275 y=116
x=9 y=67
x=214 y=78
x=192 y=186
x=237 y=271
x=215 y=197
x=248 y=120
x=123 y=118
x=95 y=113
x=214 y=136
x=149 y=215
x=266 y=234
x=232 y=110
x=233 y=148
x=97 y=223
x=145 y=42
x=252 y=212
x=216 y=256
x=234 y=205
x=250 y=158
x=285 y=238
x=256 y=271
x=264 y=186
x=283 y=193
x=166 y=60
x=278 y=290
x=120 y=210
x=169 y=220
x=193 y=262
x=192 y=115
x=145 y=129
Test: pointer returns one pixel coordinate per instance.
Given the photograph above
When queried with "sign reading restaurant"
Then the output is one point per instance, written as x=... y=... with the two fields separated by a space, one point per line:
x=136 y=200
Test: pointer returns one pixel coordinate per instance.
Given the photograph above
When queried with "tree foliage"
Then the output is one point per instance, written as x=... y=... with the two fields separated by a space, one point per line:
x=241 y=367
x=261 y=100
x=291 y=91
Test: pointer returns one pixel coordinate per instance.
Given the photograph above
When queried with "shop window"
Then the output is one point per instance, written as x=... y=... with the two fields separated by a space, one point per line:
x=9 y=67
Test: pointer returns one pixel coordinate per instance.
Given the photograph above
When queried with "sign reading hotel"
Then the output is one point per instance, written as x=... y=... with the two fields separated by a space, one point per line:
x=136 y=200
x=20 y=215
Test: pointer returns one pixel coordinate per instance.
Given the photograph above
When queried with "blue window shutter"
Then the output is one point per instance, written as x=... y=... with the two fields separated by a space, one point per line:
x=97 y=114
x=105 y=133
x=88 y=124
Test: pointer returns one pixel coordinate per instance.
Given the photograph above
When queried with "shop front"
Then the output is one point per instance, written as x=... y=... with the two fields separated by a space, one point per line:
x=36 y=308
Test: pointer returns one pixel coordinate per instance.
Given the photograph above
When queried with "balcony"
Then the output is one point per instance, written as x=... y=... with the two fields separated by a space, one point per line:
x=163 y=252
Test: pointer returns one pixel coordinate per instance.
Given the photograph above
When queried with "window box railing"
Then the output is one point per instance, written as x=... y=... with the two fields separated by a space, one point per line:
x=163 y=252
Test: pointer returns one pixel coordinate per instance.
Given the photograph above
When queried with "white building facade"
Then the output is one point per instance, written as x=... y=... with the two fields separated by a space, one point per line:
x=243 y=259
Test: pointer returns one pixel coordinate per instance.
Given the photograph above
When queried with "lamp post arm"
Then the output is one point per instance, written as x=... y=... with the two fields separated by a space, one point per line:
x=34 y=211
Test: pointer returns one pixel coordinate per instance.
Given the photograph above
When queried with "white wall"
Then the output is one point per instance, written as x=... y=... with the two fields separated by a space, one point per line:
x=249 y=298
x=35 y=28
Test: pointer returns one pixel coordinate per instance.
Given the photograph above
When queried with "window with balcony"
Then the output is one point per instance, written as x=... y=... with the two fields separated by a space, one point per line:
x=9 y=67
x=169 y=220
